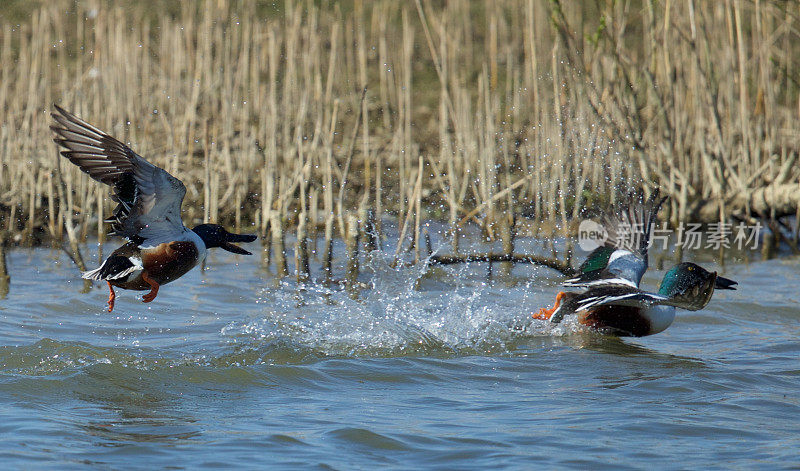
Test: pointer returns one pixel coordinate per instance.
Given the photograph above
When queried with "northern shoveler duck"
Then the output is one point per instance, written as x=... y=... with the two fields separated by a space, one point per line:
x=160 y=248
x=624 y=310
x=611 y=274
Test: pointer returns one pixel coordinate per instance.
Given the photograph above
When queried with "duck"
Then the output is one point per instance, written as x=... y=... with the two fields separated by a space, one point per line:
x=159 y=247
x=613 y=301
x=627 y=311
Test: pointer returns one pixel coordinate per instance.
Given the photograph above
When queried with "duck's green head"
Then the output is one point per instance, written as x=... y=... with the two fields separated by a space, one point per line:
x=691 y=286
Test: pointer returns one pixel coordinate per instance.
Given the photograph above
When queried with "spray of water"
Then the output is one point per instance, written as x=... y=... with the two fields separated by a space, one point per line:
x=404 y=311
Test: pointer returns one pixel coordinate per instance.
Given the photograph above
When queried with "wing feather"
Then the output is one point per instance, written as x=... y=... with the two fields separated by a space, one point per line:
x=635 y=299
x=621 y=294
x=628 y=224
x=149 y=198
x=624 y=254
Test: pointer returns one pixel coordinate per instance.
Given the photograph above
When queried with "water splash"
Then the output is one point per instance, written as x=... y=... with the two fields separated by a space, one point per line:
x=405 y=311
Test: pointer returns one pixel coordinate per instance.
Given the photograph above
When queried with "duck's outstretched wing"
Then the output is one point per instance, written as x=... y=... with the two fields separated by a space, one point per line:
x=619 y=296
x=628 y=225
x=693 y=299
x=623 y=257
x=149 y=199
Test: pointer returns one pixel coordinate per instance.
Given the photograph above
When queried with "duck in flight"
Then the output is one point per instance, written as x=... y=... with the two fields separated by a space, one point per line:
x=160 y=247
x=612 y=301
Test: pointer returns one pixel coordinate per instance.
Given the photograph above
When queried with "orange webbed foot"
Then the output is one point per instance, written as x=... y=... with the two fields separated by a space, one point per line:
x=153 y=288
x=111 y=297
x=546 y=314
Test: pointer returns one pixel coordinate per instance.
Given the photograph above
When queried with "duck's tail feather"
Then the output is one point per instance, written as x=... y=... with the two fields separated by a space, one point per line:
x=114 y=268
x=92 y=274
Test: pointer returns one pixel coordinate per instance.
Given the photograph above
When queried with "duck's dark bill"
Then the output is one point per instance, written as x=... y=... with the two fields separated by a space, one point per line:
x=227 y=245
x=724 y=283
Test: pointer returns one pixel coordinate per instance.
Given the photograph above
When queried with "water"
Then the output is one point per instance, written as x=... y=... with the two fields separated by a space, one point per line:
x=233 y=368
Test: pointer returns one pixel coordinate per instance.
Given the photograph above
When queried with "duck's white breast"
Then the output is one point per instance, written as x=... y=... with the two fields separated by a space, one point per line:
x=660 y=317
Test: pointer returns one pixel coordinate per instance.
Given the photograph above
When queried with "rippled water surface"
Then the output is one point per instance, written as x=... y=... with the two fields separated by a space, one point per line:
x=231 y=367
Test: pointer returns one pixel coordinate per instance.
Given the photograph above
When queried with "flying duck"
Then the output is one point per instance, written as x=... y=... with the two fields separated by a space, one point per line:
x=160 y=247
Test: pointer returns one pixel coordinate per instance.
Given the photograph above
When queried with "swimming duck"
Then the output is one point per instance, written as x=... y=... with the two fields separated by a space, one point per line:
x=611 y=274
x=625 y=310
x=160 y=247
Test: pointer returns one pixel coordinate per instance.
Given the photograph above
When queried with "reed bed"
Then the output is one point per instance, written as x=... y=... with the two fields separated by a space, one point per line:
x=308 y=116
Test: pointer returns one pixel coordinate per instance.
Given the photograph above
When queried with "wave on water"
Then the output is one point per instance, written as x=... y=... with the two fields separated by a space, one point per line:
x=406 y=311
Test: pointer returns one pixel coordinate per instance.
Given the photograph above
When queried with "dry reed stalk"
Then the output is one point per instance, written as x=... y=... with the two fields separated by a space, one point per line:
x=302 y=265
x=5 y=278
x=418 y=209
x=351 y=254
x=415 y=196
x=507 y=240
x=371 y=239
x=405 y=110
x=367 y=167
x=346 y=171
x=327 y=251
x=277 y=227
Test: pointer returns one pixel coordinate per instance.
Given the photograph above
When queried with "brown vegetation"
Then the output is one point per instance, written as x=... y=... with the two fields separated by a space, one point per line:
x=298 y=115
